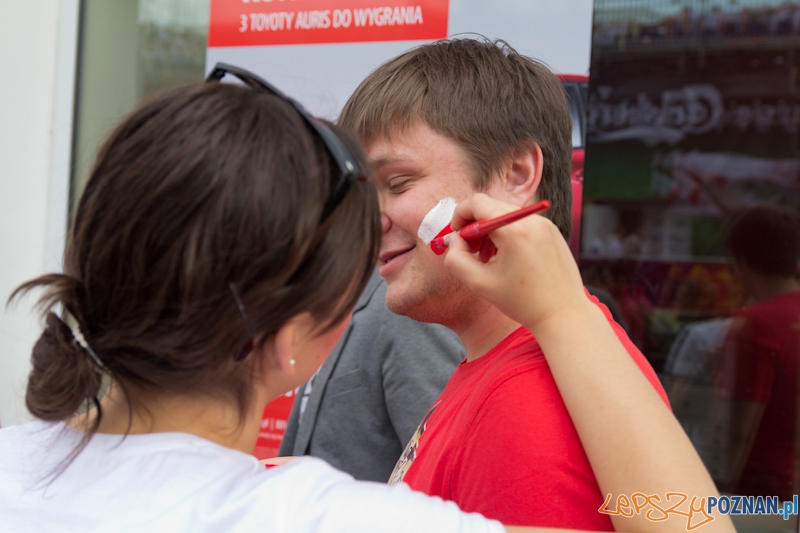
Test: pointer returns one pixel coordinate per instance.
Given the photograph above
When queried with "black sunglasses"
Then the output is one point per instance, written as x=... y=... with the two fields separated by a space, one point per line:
x=349 y=168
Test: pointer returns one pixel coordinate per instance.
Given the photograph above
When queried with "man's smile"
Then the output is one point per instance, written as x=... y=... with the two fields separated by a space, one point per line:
x=391 y=259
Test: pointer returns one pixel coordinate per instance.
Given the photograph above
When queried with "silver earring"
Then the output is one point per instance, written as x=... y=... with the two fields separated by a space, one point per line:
x=291 y=362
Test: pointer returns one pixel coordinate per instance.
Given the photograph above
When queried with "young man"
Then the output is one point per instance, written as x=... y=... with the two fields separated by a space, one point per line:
x=450 y=119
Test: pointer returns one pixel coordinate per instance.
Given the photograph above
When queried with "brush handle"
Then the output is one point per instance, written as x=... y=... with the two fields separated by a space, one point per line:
x=482 y=228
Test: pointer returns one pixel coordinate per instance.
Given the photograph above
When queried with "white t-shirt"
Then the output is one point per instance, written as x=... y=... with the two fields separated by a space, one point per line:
x=181 y=482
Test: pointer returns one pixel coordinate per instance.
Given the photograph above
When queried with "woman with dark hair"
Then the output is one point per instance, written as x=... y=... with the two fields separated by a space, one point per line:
x=220 y=244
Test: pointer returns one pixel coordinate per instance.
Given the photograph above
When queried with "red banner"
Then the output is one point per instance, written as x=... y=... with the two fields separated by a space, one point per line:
x=273 y=426
x=270 y=22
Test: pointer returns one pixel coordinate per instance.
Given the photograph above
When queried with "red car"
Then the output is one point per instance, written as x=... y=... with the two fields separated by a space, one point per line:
x=577 y=87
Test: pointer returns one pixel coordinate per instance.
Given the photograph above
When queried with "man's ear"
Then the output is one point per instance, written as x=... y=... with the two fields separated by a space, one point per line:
x=521 y=175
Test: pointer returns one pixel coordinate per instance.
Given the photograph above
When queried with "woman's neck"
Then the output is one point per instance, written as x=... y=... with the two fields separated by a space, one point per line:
x=204 y=416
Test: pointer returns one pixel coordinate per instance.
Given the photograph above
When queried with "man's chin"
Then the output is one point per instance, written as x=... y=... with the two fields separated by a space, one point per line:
x=433 y=307
x=400 y=306
x=410 y=305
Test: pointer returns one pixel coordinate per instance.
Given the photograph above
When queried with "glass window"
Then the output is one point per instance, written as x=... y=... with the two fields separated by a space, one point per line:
x=130 y=51
x=690 y=222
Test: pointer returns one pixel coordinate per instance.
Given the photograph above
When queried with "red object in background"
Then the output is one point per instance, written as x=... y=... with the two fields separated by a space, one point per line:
x=576 y=86
x=577 y=200
x=577 y=78
x=254 y=23
x=273 y=426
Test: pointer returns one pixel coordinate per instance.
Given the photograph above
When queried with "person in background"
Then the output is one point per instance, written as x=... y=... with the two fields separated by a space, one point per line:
x=363 y=406
x=690 y=374
x=760 y=367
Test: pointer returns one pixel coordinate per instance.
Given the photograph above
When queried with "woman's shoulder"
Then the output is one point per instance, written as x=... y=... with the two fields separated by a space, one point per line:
x=182 y=482
x=21 y=438
x=160 y=480
x=28 y=428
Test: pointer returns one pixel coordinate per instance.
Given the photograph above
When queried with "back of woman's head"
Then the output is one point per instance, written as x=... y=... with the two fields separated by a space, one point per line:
x=202 y=187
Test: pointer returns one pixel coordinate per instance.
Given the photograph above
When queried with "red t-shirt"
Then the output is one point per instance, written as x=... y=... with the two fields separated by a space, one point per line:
x=761 y=365
x=499 y=441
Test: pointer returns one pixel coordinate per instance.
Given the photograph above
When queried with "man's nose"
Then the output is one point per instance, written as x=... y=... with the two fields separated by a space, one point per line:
x=386 y=223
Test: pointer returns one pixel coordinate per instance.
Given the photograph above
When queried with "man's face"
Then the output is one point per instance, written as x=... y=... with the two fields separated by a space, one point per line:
x=413 y=171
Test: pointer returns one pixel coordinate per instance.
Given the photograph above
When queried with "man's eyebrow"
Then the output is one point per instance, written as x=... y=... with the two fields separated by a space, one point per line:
x=385 y=161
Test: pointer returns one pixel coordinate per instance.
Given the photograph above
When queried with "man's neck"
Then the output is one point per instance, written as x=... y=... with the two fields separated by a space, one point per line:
x=763 y=287
x=484 y=331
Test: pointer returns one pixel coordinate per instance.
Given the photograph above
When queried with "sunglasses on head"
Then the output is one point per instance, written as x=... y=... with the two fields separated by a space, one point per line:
x=349 y=168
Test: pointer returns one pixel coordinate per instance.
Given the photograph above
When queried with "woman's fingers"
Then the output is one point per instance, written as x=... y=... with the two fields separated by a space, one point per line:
x=533 y=274
x=487 y=251
x=478 y=207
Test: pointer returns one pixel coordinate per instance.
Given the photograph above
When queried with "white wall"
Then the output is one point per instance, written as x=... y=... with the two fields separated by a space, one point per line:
x=322 y=76
x=37 y=54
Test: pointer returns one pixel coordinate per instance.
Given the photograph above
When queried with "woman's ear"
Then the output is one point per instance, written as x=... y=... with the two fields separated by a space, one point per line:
x=279 y=349
x=521 y=175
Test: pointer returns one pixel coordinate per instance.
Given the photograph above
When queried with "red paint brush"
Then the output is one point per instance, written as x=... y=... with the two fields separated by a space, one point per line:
x=482 y=228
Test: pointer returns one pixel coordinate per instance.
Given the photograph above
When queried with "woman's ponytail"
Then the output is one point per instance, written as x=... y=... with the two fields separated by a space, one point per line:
x=64 y=374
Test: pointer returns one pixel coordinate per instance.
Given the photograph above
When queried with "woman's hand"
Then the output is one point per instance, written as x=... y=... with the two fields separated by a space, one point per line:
x=532 y=277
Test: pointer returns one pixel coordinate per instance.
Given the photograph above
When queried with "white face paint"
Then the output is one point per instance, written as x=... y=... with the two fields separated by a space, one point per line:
x=437 y=219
